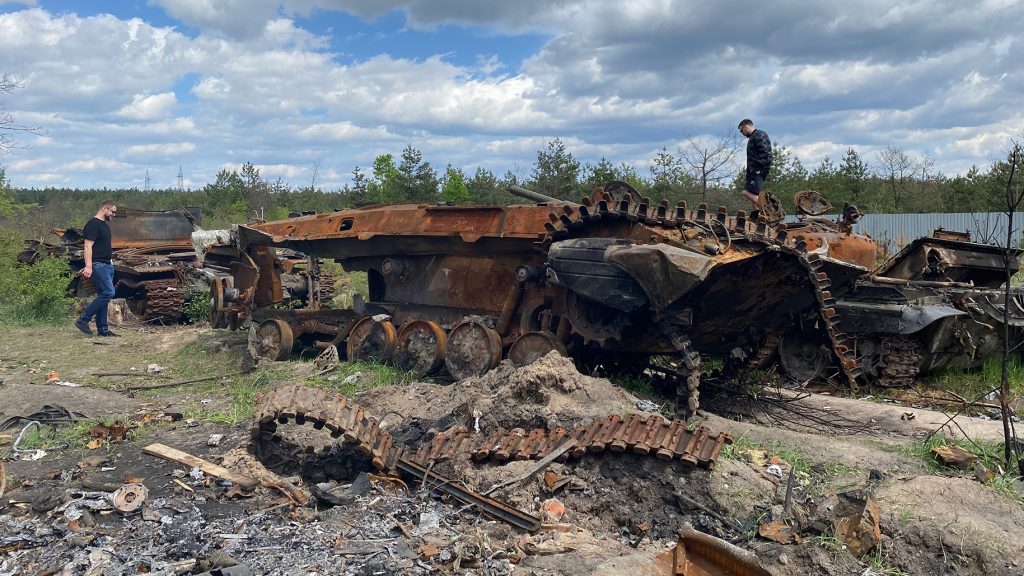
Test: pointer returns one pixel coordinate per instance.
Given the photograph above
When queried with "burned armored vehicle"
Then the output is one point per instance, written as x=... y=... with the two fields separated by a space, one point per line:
x=152 y=258
x=613 y=279
x=937 y=303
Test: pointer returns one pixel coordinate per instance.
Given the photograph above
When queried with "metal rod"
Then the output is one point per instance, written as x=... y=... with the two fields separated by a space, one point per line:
x=531 y=195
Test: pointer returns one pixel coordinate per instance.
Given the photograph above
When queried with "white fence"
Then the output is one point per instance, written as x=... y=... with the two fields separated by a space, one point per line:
x=896 y=230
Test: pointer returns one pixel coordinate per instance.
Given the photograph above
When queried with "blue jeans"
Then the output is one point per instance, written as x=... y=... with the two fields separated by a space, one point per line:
x=103 y=279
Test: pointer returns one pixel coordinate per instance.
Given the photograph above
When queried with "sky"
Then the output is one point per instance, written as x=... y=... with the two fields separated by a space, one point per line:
x=310 y=89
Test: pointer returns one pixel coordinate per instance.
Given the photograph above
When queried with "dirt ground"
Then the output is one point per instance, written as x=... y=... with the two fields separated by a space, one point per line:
x=620 y=510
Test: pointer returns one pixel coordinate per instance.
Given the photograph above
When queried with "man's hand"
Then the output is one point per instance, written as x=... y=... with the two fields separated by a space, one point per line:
x=87 y=271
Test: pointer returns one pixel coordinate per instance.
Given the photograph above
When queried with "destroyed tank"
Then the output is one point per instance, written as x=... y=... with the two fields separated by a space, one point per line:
x=609 y=281
x=936 y=303
x=152 y=256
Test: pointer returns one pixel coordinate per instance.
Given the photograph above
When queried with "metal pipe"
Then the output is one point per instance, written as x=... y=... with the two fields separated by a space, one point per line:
x=925 y=283
x=531 y=195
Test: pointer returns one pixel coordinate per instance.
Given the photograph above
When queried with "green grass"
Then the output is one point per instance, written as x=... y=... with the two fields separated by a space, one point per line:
x=370 y=375
x=990 y=455
x=348 y=284
x=73 y=437
x=243 y=391
x=974 y=384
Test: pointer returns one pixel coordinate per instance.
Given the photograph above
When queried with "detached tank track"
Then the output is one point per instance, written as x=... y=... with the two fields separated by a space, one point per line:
x=588 y=214
x=641 y=434
x=165 y=299
x=325 y=285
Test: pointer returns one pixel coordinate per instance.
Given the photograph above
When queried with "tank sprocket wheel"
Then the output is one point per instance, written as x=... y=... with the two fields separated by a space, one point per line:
x=533 y=346
x=473 y=349
x=594 y=321
x=421 y=347
x=274 y=339
x=371 y=339
x=216 y=314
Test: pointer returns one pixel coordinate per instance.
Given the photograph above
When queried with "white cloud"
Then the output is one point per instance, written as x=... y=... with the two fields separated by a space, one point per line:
x=342 y=131
x=29 y=163
x=95 y=164
x=160 y=150
x=149 y=107
x=613 y=79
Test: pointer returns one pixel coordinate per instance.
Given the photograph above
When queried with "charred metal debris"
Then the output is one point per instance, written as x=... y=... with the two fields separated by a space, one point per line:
x=347 y=421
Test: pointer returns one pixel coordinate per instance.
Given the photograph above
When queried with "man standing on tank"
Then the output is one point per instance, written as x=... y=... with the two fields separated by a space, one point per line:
x=759 y=159
x=98 y=267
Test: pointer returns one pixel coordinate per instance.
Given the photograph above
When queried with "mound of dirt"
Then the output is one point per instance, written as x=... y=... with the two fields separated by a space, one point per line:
x=548 y=393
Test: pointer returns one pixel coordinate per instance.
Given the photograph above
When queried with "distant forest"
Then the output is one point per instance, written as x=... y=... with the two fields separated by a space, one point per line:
x=893 y=181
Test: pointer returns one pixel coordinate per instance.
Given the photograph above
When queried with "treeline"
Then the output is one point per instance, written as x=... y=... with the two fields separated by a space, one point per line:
x=698 y=171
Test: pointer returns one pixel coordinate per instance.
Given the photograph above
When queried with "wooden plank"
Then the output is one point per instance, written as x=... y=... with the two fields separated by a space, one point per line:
x=175 y=455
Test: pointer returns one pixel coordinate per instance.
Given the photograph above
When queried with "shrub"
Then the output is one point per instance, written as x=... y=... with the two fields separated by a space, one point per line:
x=36 y=294
x=197 y=306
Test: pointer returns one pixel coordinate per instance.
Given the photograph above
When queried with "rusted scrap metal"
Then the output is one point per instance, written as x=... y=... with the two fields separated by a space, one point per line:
x=490 y=506
x=351 y=423
x=857 y=522
x=638 y=433
x=130 y=497
x=700 y=554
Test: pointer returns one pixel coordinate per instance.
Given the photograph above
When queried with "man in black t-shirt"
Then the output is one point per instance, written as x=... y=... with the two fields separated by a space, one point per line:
x=98 y=267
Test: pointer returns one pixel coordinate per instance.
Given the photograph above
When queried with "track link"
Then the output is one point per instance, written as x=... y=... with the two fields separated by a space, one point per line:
x=638 y=433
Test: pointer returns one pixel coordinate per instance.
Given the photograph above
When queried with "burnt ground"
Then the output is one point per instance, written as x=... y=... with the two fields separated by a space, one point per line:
x=620 y=510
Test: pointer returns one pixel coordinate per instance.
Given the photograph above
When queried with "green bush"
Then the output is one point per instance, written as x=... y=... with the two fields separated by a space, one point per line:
x=197 y=306
x=31 y=295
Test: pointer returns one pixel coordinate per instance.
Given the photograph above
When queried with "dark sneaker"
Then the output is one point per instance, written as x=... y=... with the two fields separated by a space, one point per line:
x=84 y=327
x=108 y=333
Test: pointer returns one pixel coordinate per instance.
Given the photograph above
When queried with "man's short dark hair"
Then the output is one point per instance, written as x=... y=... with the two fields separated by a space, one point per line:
x=106 y=203
x=746 y=122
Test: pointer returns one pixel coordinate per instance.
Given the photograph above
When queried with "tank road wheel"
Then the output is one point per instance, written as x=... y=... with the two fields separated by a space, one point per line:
x=274 y=340
x=805 y=356
x=472 y=350
x=532 y=346
x=216 y=315
x=421 y=347
x=371 y=339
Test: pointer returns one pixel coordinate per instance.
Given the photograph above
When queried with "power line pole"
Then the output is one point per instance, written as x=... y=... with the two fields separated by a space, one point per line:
x=181 y=180
x=146 y=186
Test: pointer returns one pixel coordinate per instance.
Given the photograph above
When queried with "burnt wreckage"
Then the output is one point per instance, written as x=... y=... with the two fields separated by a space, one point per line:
x=616 y=279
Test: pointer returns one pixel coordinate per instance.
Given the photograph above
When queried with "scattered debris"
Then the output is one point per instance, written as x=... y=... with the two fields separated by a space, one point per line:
x=214 y=440
x=130 y=497
x=856 y=522
x=779 y=532
x=955 y=456
x=701 y=554
x=50 y=415
x=175 y=455
x=154 y=369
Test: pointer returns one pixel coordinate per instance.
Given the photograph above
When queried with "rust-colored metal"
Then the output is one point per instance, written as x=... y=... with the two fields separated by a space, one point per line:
x=347 y=420
x=700 y=554
x=617 y=278
x=421 y=347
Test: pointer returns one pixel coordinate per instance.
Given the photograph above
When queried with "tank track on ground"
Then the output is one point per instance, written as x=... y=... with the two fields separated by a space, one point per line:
x=638 y=433
x=165 y=299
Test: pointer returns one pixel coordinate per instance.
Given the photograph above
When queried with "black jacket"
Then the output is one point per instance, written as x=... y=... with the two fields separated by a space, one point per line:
x=759 y=154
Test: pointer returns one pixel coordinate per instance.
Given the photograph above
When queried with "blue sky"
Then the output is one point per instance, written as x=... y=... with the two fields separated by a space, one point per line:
x=119 y=88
